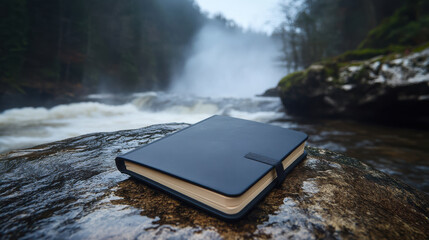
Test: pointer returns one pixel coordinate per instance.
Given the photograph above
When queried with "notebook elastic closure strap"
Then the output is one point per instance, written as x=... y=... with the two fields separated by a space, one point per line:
x=281 y=174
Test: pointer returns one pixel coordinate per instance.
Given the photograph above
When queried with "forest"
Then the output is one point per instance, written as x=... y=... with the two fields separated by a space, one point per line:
x=318 y=29
x=62 y=49
x=56 y=47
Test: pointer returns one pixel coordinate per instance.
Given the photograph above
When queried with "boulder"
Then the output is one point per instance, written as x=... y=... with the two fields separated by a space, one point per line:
x=270 y=92
x=72 y=189
x=390 y=88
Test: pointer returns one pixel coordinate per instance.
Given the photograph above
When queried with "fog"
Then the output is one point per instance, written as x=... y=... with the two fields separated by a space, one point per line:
x=225 y=62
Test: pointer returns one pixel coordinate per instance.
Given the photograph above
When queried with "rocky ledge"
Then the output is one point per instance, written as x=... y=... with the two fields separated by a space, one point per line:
x=71 y=189
x=390 y=88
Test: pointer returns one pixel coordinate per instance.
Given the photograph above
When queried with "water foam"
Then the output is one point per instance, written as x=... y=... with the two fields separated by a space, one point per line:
x=26 y=127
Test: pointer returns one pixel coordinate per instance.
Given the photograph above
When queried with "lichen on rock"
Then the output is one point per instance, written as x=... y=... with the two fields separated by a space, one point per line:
x=384 y=88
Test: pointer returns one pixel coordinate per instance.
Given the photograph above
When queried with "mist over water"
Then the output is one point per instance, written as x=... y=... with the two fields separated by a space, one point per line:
x=223 y=71
x=226 y=62
x=26 y=127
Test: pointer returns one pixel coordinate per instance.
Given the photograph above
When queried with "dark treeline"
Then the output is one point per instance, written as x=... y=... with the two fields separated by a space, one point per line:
x=60 y=47
x=318 y=29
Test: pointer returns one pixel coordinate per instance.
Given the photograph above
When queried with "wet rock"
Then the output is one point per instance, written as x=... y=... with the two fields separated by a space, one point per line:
x=387 y=88
x=271 y=92
x=72 y=189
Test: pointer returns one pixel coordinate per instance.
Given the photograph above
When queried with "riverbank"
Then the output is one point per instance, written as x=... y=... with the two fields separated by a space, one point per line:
x=400 y=152
x=41 y=94
x=389 y=89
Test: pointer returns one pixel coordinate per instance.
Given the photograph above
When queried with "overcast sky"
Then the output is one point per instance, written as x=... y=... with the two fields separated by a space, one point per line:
x=259 y=15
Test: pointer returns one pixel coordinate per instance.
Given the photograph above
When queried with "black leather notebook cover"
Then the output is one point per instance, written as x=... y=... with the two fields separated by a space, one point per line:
x=222 y=154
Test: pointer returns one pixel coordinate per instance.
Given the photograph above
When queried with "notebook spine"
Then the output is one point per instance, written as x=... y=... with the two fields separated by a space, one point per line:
x=120 y=164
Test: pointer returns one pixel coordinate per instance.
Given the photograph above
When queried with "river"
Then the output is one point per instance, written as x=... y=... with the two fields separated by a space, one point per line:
x=401 y=152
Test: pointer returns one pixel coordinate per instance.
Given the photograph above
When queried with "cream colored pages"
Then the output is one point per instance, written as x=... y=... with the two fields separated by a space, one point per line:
x=228 y=205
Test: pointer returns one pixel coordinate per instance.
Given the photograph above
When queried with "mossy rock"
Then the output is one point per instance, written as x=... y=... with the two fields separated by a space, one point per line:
x=291 y=79
x=387 y=88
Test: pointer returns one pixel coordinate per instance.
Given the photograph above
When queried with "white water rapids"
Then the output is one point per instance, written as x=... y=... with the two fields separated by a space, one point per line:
x=26 y=127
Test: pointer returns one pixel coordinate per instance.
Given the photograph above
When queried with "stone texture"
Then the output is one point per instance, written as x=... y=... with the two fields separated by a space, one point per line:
x=271 y=92
x=71 y=189
x=387 y=88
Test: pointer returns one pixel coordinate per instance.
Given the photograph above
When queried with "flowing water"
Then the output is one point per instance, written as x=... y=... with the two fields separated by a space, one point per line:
x=397 y=151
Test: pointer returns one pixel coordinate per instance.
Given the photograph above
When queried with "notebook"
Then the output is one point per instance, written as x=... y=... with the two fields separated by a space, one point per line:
x=223 y=165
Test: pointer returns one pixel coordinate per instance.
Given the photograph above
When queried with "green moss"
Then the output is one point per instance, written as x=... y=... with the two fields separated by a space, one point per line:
x=331 y=69
x=347 y=58
x=361 y=76
x=421 y=47
x=350 y=64
x=330 y=72
x=358 y=57
x=362 y=54
x=408 y=26
x=291 y=79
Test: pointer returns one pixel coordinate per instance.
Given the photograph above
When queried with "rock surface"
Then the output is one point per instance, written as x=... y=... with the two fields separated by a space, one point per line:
x=271 y=92
x=72 y=189
x=390 y=88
